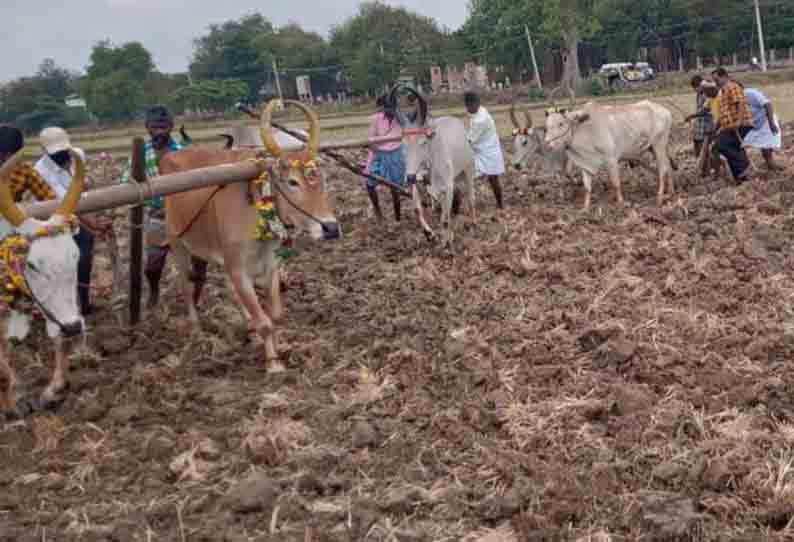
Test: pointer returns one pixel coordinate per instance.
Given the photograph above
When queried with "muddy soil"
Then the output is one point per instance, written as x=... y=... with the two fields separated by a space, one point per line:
x=621 y=374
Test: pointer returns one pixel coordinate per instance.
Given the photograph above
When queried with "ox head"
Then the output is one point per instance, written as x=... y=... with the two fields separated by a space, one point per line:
x=561 y=122
x=527 y=141
x=418 y=135
x=299 y=185
x=39 y=258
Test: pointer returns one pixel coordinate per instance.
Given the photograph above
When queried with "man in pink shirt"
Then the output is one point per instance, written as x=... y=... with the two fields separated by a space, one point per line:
x=386 y=160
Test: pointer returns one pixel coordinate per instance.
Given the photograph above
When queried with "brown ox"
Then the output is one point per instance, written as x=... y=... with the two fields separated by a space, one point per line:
x=218 y=224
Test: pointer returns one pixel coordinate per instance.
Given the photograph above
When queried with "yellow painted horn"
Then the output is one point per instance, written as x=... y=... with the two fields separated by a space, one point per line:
x=72 y=198
x=266 y=128
x=9 y=208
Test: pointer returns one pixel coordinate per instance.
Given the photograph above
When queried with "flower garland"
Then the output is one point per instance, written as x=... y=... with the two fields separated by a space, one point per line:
x=14 y=249
x=268 y=224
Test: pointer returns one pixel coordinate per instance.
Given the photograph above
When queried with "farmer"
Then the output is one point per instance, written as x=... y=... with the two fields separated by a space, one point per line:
x=704 y=123
x=735 y=123
x=386 y=160
x=710 y=108
x=766 y=128
x=484 y=140
x=160 y=124
x=57 y=169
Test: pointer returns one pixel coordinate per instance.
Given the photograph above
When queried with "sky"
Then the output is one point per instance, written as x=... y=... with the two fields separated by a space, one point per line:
x=66 y=31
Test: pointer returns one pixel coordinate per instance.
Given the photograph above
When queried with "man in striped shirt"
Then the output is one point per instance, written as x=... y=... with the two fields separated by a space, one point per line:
x=160 y=124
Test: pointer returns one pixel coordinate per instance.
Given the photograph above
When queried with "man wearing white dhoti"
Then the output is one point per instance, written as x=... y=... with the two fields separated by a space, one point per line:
x=765 y=134
x=484 y=140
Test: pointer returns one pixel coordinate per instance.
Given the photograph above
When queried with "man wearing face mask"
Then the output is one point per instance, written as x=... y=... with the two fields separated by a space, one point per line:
x=160 y=124
x=57 y=169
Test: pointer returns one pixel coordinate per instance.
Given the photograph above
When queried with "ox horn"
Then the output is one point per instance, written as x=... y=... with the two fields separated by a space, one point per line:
x=552 y=96
x=513 y=118
x=266 y=127
x=72 y=198
x=8 y=208
x=528 y=117
x=572 y=94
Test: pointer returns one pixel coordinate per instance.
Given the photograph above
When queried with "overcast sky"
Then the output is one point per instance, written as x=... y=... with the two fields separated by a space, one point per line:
x=63 y=30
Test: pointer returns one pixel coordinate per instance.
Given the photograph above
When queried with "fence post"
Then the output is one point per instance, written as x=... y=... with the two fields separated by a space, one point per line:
x=136 y=233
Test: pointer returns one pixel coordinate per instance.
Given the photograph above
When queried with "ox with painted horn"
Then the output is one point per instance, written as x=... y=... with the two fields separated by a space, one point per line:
x=441 y=146
x=219 y=224
x=38 y=274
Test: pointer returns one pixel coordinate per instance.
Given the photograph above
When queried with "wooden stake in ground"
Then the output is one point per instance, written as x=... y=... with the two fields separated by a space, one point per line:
x=136 y=236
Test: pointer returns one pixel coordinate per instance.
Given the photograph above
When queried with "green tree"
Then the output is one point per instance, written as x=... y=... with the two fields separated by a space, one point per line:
x=210 y=95
x=36 y=101
x=380 y=42
x=115 y=83
x=115 y=97
x=233 y=50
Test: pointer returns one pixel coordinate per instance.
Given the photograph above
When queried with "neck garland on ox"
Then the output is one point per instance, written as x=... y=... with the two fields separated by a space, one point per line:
x=14 y=249
x=268 y=225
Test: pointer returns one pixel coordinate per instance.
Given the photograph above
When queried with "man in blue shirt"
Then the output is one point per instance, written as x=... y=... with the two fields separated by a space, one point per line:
x=765 y=134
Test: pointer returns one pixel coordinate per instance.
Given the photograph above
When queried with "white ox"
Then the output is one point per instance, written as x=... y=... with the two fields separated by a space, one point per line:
x=440 y=145
x=39 y=261
x=596 y=136
x=244 y=136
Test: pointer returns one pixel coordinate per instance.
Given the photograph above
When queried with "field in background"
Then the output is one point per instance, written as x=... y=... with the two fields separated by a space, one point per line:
x=671 y=91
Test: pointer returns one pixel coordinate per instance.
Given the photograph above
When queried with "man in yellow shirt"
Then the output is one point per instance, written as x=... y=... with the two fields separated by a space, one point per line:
x=735 y=122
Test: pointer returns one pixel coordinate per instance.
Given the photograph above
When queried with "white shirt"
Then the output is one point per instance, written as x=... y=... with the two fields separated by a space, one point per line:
x=57 y=177
x=484 y=140
x=482 y=129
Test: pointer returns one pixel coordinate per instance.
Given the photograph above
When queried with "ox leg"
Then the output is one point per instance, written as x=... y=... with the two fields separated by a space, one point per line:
x=446 y=215
x=51 y=394
x=471 y=195
x=614 y=177
x=665 y=169
x=429 y=233
x=8 y=382
x=587 y=181
x=244 y=289
x=184 y=264
x=276 y=306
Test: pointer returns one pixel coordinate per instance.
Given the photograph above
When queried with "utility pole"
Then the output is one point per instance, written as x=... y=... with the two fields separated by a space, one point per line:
x=532 y=52
x=278 y=81
x=760 y=36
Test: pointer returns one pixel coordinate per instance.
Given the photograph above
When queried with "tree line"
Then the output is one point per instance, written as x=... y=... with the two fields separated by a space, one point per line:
x=240 y=60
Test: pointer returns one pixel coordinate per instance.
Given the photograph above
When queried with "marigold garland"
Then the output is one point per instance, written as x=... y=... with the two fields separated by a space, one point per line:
x=14 y=249
x=268 y=225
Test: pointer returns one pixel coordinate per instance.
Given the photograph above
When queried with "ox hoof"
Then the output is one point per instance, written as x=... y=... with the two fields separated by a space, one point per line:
x=275 y=367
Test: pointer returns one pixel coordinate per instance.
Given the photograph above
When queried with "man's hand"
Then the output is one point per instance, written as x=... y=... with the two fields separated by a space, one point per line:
x=773 y=127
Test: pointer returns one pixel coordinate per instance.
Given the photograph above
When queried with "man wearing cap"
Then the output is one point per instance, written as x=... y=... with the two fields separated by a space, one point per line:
x=160 y=124
x=57 y=169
